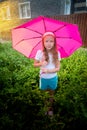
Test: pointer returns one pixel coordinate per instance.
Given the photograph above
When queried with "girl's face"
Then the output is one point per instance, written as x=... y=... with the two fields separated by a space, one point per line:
x=49 y=42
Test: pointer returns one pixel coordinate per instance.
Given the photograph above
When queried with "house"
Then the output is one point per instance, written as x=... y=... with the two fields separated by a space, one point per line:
x=16 y=12
x=25 y=9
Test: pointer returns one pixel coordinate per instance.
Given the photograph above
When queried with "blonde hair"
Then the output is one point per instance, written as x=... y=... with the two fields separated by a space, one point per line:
x=54 y=51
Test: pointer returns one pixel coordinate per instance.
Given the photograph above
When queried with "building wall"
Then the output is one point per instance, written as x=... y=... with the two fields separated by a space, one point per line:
x=38 y=7
x=80 y=6
x=46 y=7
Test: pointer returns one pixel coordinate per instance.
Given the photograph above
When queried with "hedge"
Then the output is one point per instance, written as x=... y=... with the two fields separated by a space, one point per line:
x=22 y=103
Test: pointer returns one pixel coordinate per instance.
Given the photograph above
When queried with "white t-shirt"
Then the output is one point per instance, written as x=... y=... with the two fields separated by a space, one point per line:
x=50 y=65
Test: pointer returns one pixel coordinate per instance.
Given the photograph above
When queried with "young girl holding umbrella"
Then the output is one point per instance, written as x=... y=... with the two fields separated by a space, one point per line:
x=48 y=59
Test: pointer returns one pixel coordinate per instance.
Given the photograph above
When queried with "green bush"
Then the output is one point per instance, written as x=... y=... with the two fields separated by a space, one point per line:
x=22 y=103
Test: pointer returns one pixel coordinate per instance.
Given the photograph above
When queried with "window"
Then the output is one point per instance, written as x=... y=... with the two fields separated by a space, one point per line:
x=24 y=10
x=67 y=7
x=86 y=2
x=5 y=13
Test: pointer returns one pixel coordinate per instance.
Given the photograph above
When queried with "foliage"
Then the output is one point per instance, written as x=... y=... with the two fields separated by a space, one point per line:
x=22 y=103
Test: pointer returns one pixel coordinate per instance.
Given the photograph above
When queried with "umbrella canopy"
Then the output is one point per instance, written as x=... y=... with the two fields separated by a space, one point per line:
x=27 y=38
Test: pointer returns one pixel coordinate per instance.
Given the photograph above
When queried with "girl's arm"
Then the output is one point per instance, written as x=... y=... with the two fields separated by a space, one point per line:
x=39 y=63
x=56 y=69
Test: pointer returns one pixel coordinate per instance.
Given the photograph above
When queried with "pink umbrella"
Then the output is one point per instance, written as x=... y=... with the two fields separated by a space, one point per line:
x=27 y=38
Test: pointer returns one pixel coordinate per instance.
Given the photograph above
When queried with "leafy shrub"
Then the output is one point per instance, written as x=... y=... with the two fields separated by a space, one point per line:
x=22 y=103
x=70 y=105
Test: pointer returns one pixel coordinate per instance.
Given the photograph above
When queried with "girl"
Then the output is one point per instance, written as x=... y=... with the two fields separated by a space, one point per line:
x=48 y=59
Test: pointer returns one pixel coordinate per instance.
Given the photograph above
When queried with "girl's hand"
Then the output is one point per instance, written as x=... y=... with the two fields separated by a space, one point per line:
x=44 y=70
x=44 y=63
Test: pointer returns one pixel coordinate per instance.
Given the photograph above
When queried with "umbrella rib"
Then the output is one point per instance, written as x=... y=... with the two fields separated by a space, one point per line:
x=26 y=39
x=19 y=42
x=33 y=30
x=44 y=24
x=59 y=28
x=34 y=47
x=68 y=38
x=65 y=37
x=31 y=38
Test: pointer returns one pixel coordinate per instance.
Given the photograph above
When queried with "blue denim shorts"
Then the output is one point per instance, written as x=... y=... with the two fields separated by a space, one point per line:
x=49 y=84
